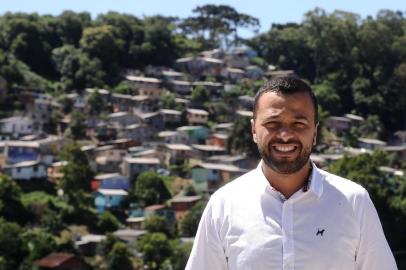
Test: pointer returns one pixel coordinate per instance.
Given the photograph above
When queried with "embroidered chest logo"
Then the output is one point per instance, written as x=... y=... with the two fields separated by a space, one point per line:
x=320 y=232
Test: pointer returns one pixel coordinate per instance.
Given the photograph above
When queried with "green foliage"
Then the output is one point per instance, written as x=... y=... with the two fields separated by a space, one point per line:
x=167 y=101
x=119 y=258
x=12 y=249
x=155 y=224
x=39 y=243
x=125 y=87
x=240 y=139
x=200 y=95
x=107 y=222
x=150 y=188
x=191 y=220
x=11 y=207
x=48 y=211
x=77 y=174
x=155 y=249
x=104 y=247
x=181 y=252
x=77 y=126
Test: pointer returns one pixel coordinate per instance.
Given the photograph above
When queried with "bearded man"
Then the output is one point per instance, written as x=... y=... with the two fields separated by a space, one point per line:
x=287 y=213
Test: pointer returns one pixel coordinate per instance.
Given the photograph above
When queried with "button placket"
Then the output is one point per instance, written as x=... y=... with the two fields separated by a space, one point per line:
x=287 y=229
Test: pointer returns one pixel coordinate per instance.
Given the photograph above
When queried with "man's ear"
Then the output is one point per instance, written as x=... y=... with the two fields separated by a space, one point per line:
x=315 y=134
x=254 y=134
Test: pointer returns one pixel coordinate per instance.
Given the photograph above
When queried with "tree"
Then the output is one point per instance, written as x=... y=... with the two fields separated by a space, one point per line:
x=11 y=207
x=119 y=258
x=96 y=103
x=77 y=126
x=150 y=188
x=155 y=249
x=77 y=69
x=39 y=243
x=181 y=252
x=191 y=220
x=107 y=222
x=200 y=96
x=77 y=174
x=218 y=22
x=12 y=248
x=240 y=139
x=155 y=224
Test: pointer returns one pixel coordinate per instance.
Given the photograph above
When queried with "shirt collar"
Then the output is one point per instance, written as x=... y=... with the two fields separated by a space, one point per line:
x=316 y=181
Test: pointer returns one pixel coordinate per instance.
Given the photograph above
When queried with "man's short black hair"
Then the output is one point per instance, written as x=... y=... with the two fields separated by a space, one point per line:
x=286 y=86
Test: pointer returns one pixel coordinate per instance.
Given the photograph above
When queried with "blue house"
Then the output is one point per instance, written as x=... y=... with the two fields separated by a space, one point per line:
x=111 y=181
x=109 y=198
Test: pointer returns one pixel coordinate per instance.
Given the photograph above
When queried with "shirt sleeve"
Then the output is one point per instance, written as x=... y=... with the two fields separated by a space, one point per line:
x=373 y=251
x=207 y=251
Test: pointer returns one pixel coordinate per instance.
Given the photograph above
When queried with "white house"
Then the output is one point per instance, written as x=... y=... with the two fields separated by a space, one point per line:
x=134 y=166
x=26 y=170
x=17 y=126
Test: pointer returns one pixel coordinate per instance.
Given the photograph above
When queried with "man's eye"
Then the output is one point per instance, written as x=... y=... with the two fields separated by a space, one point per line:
x=300 y=124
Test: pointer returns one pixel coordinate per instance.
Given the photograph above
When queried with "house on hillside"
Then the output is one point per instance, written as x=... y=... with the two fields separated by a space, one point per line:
x=108 y=158
x=108 y=198
x=19 y=151
x=171 y=117
x=174 y=137
x=208 y=177
x=201 y=66
x=177 y=153
x=154 y=119
x=196 y=134
x=144 y=104
x=17 y=126
x=121 y=102
x=197 y=116
x=147 y=86
x=132 y=167
x=26 y=170
x=110 y=181
x=62 y=261
x=123 y=119
x=181 y=87
x=182 y=204
x=54 y=172
x=371 y=144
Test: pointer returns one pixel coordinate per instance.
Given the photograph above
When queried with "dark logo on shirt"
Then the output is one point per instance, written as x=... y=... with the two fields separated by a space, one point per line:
x=320 y=232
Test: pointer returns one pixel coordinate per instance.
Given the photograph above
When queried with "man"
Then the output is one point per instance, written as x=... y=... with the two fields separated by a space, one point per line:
x=288 y=214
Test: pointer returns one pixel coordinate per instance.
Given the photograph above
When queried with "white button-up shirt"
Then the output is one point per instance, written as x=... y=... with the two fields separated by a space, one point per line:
x=248 y=225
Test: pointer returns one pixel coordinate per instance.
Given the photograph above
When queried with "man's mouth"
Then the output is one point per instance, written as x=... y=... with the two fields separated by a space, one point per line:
x=285 y=148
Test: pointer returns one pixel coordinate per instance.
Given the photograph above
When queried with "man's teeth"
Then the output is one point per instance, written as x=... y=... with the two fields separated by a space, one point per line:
x=284 y=148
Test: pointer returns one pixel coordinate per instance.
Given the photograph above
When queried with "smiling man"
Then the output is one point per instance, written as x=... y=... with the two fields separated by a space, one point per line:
x=288 y=214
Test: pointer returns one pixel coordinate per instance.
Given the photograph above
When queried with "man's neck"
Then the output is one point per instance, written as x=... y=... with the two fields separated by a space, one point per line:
x=287 y=184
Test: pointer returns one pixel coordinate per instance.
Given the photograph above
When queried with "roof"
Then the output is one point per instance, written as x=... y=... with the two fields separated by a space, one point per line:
x=143 y=79
x=185 y=83
x=116 y=95
x=19 y=144
x=90 y=238
x=101 y=91
x=15 y=118
x=372 y=141
x=185 y=198
x=245 y=113
x=54 y=260
x=167 y=133
x=235 y=70
x=179 y=147
x=186 y=128
x=135 y=219
x=206 y=83
x=171 y=73
x=140 y=98
x=198 y=111
x=23 y=164
x=339 y=118
x=106 y=176
x=155 y=207
x=112 y=192
x=142 y=160
x=117 y=114
x=220 y=167
x=205 y=147
x=167 y=111
x=354 y=117
x=394 y=148
x=220 y=136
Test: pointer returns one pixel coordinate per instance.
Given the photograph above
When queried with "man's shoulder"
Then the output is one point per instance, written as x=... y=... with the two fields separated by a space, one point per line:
x=241 y=184
x=347 y=187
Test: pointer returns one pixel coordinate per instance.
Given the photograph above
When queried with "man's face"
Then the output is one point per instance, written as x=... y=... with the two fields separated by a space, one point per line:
x=285 y=130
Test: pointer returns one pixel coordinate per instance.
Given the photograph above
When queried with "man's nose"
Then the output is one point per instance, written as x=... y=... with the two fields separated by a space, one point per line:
x=285 y=133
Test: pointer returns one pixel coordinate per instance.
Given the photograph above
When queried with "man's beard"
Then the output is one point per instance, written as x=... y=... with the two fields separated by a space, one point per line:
x=286 y=166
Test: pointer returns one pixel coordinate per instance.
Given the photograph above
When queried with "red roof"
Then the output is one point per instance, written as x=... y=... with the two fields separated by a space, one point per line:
x=54 y=260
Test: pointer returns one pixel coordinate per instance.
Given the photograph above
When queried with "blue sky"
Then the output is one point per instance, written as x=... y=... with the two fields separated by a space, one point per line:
x=271 y=11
